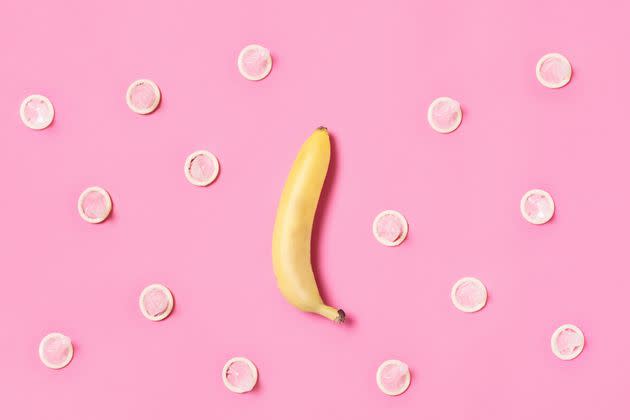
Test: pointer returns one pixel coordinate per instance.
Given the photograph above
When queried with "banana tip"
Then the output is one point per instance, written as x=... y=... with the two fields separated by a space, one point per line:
x=341 y=316
x=321 y=127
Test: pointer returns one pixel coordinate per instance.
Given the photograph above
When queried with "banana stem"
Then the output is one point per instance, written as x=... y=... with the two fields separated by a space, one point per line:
x=337 y=315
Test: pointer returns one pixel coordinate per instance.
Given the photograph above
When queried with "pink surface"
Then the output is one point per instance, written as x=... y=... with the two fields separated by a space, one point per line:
x=368 y=71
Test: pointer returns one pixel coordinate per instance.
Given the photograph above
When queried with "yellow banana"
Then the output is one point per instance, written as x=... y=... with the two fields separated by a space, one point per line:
x=291 y=247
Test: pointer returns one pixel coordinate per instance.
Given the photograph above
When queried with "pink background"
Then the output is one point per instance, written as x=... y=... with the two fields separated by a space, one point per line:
x=368 y=71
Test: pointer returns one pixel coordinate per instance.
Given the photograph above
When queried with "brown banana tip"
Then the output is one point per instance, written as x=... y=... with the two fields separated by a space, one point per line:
x=321 y=127
x=342 y=316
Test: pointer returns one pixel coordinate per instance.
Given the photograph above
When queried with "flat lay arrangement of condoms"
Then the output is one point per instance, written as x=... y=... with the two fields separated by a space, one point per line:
x=284 y=209
x=389 y=227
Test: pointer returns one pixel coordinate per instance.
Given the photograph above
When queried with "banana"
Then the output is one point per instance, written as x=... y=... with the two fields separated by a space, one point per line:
x=291 y=246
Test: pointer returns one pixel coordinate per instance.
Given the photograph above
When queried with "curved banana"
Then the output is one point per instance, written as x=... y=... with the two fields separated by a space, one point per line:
x=291 y=247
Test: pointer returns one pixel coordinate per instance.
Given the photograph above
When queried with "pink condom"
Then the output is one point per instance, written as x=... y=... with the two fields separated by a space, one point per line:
x=202 y=168
x=55 y=350
x=155 y=302
x=240 y=375
x=254 y=62
x=390 y=228
x=95 y=205
x=393 y=377
x=537 y=206
x=37 y=112
x=445 y=115
x=567 y=342
x=553 y=70
x=469 y=294
x=143 y=96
